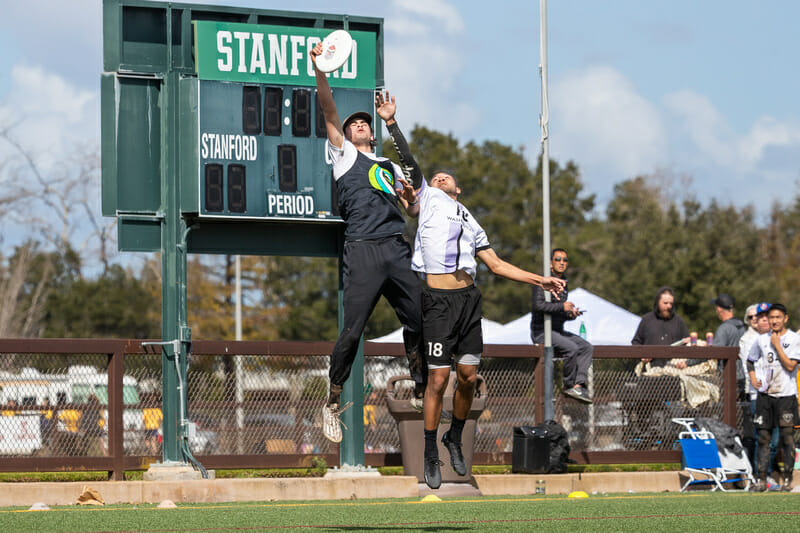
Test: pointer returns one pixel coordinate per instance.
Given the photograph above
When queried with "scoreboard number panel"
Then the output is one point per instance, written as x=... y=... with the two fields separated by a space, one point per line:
x=261 y=136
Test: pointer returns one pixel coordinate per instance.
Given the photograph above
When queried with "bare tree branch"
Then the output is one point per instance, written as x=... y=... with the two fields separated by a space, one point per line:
x=60 y=204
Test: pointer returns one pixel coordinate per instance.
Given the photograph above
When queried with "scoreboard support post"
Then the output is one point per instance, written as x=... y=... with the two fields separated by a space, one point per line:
x=173 y=287
x=213 y=142
x=351 y=449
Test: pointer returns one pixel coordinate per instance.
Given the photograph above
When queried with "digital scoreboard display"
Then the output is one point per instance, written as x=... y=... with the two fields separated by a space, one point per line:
x=260 y=134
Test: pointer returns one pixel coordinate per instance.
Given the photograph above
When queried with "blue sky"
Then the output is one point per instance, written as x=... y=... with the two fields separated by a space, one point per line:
x=700 y=93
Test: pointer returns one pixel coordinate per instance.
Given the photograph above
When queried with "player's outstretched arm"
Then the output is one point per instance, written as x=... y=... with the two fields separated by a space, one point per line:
x=507 y=270
x=386 y=107
x=333 y=123
x=540 y=304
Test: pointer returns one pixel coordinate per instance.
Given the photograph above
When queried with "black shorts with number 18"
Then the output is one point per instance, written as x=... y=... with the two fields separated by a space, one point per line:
x=451 y=324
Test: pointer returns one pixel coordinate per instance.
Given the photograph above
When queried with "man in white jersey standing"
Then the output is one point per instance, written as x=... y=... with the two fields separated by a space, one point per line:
x=447 y=242
x=772 y=368
x=756 y=317
x=376 y=259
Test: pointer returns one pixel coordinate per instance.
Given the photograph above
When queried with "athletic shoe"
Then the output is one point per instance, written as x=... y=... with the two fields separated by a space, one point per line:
x=456 y=457
x=578 y=393
x=787 y=484
x=433 y=475
x=760 y=486
x=416 y=403
x=773 y=484
x=331 y=423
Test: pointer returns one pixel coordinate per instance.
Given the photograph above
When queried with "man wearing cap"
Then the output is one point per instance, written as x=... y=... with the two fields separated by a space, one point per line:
x=376 y=259
x=731 y=330
x=772 y=367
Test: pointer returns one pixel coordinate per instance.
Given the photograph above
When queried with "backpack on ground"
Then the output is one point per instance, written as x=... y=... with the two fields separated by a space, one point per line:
x=540 y=449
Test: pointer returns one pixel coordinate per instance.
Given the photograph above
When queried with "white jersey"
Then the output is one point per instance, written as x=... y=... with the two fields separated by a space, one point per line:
x=775 y=380
x=745 y=343
x=448 y=236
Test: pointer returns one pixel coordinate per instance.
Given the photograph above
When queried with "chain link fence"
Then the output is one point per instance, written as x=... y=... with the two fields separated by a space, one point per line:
x=56 y=405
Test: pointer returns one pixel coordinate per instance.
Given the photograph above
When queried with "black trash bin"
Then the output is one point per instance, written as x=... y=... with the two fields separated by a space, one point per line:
x=410 y=427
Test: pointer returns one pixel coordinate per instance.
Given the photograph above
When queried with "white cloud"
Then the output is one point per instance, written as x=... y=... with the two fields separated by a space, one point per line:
x=47 y=114
x=40 y=93
x=422 y=67
x=598 y=119
x=443 y=15
x=746 y=163
x=704 y=126
x=406 y=27
x=768 y=132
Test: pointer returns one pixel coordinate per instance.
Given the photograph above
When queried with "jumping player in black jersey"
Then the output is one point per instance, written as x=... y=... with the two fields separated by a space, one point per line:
x=376 y=259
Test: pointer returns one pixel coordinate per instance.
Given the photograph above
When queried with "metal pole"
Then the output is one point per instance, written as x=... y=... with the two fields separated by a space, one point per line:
x=238 y=359
x=544 y=121
x=173 y=284
x=238 y=290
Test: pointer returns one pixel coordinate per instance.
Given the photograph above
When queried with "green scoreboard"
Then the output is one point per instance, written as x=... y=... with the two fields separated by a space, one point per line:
x=259 y=151
x=218 y=106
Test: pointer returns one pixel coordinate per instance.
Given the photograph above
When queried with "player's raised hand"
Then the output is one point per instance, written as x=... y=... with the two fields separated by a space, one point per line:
x=775 y=337
x=314 y=52
x=553 y=284
x=385 y=106
x=407 y=193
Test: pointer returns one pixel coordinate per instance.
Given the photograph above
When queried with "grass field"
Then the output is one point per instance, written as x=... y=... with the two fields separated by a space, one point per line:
x=627 y=512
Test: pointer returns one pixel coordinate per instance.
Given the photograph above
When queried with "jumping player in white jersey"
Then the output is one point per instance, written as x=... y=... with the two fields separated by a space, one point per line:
x=447 y=242
x=772 y=367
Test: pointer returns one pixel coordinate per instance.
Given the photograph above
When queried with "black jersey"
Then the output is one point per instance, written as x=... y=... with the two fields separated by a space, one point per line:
x=367 y=197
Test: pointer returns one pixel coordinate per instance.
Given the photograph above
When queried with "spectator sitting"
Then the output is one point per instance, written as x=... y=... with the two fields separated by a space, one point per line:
x=577 y=352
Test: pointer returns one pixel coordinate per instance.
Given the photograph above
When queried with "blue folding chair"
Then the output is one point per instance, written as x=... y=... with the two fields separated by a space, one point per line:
x=700 y=457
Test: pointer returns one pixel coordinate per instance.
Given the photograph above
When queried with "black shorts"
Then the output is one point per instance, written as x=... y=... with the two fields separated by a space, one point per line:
x=451 y=324
x=775 y=412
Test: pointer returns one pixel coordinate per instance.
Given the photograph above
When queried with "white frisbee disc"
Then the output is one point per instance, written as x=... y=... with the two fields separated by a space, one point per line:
x=336 y=48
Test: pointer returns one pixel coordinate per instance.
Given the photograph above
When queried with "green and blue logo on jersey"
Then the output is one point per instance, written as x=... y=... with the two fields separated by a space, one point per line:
x=381 y=179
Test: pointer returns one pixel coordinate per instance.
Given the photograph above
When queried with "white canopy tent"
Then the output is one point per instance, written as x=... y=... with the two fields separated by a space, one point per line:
x=605 y=323
x=490 y=330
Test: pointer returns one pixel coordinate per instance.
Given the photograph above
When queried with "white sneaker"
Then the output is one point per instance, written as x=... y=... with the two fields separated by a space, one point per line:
x=331 y=423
